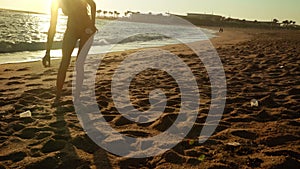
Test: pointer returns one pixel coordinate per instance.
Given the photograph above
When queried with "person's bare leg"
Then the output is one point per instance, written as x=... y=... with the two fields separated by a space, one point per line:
x=84 y=47
x=68 y=46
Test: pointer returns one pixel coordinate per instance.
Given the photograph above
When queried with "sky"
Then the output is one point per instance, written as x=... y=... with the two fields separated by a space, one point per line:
x=262 y=10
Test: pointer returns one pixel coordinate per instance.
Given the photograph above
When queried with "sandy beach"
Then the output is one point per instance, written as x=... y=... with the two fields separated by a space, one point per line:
x=259 y=64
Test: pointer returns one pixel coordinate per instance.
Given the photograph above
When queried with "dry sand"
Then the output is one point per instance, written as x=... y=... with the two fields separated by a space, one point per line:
x=259 y=64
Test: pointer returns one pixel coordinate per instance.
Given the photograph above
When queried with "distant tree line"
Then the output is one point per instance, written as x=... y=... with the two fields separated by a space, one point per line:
x=116 y=14
x=287 y=22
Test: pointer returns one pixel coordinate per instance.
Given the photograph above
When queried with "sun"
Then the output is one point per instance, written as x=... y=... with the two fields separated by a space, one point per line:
x=48 y=4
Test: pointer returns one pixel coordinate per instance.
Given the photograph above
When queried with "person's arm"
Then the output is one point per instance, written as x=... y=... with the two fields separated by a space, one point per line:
x=52 y=28
x=92 y=4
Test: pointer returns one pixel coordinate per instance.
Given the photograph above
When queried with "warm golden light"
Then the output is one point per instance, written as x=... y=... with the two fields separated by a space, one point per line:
x=48 y=4
x=264 y=10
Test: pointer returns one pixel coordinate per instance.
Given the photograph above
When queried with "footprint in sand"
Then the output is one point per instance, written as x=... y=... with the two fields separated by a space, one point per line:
x=4 y=102
x=50 y=162
x=46 y=95
x=14 y=156
x=8 y=70
x=28 y=133
x=58 y=124
x=109 y=118
x=23 y=69
x=15 y=78
x=245 y=134
x=273 y=141
x=28 y=100
x=33 y=77
x=13 y=89
x=49 y=71
x=43 y=134
x=35 y=91
x=122 y=121
x=135 y=133
x=53 y=145
x=14 y=83
x=33 y=85
x=49 y=79
x=283 y=153
x=133 y=163
x=84 y=143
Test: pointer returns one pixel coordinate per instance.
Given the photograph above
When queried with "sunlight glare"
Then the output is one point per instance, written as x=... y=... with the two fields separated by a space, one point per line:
x=48 y=5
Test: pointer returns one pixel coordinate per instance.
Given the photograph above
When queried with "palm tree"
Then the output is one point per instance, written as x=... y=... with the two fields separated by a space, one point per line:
x=127 y=13
x=117 y=14
x=286 y=23
x=275 y=20
x=99 y=12
x=111 y=13
x=104 y=13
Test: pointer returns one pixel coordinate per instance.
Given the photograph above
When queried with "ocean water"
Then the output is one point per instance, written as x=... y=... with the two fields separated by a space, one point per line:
x=24 y=35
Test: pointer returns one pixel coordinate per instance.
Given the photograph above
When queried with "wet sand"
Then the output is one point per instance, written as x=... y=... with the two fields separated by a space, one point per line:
x=259 y=64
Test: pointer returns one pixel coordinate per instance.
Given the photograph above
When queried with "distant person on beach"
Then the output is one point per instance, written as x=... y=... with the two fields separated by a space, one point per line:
x=80 y=26
x=221 y=30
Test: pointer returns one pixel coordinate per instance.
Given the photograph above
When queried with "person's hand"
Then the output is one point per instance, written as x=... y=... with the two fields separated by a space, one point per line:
x=95 y=29
x=91 y=30
x=46 y=60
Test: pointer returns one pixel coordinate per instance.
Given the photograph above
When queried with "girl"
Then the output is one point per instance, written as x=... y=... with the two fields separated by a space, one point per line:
x=80 y=26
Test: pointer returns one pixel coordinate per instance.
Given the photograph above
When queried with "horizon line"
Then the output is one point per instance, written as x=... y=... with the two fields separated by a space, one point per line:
x=35 y=12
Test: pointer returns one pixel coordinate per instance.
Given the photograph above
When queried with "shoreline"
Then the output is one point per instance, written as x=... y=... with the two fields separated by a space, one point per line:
x=35 y=55
x=232 y=38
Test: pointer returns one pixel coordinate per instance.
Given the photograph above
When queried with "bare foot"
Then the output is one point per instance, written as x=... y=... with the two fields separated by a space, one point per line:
x=46 y=61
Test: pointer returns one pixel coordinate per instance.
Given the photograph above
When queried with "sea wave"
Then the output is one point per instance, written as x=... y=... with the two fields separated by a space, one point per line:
x=10 y=47
x=143 y=38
